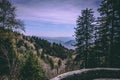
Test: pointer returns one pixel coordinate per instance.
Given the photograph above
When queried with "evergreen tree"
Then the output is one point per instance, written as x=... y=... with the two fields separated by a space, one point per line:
x=51 y=62
x=115 y=52
x=84 y=34
x=32 y=69
x=9 y=60
x=109 y=24
x=100 y=44
x=5 y=58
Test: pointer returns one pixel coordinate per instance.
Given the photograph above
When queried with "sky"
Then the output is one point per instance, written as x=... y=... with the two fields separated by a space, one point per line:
x=52 y=18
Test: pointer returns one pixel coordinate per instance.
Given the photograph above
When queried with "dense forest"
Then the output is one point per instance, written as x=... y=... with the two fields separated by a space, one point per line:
x=32 y=58
x=98 y=39
x=32 y=53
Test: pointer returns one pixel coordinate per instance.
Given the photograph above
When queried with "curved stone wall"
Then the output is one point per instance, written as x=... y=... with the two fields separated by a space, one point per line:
x=90 y=74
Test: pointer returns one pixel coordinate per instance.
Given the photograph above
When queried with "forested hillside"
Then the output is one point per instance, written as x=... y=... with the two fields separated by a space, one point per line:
x=51 y=56
x=26 y=57
x=33 y=58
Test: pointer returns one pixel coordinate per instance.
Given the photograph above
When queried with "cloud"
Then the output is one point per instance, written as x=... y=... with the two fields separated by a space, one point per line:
x=54 y=11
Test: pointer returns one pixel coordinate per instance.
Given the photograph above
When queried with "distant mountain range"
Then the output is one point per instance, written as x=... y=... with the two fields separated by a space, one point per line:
x=67 y=42
x=70 y=44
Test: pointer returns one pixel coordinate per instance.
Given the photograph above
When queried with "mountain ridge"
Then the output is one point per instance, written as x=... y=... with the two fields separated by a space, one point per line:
x=67 y=42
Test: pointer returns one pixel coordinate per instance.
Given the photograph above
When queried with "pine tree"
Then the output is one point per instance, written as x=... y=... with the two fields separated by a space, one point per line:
x=84 y=34
x=32 y=69
x=109 y=22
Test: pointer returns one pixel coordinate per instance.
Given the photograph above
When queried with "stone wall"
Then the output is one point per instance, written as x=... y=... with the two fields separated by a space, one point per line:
x=90 y=74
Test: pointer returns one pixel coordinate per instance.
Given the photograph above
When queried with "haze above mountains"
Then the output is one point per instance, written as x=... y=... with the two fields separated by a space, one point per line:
x=67 y=42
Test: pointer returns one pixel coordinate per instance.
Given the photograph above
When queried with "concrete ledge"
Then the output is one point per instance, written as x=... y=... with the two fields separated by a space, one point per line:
x=90 y=74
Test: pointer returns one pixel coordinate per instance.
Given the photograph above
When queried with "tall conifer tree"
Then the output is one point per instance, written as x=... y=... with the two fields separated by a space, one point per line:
x=109 y=23
x=84 y=34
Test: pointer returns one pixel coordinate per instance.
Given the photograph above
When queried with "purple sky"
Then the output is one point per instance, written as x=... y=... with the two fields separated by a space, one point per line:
x=52 y=18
